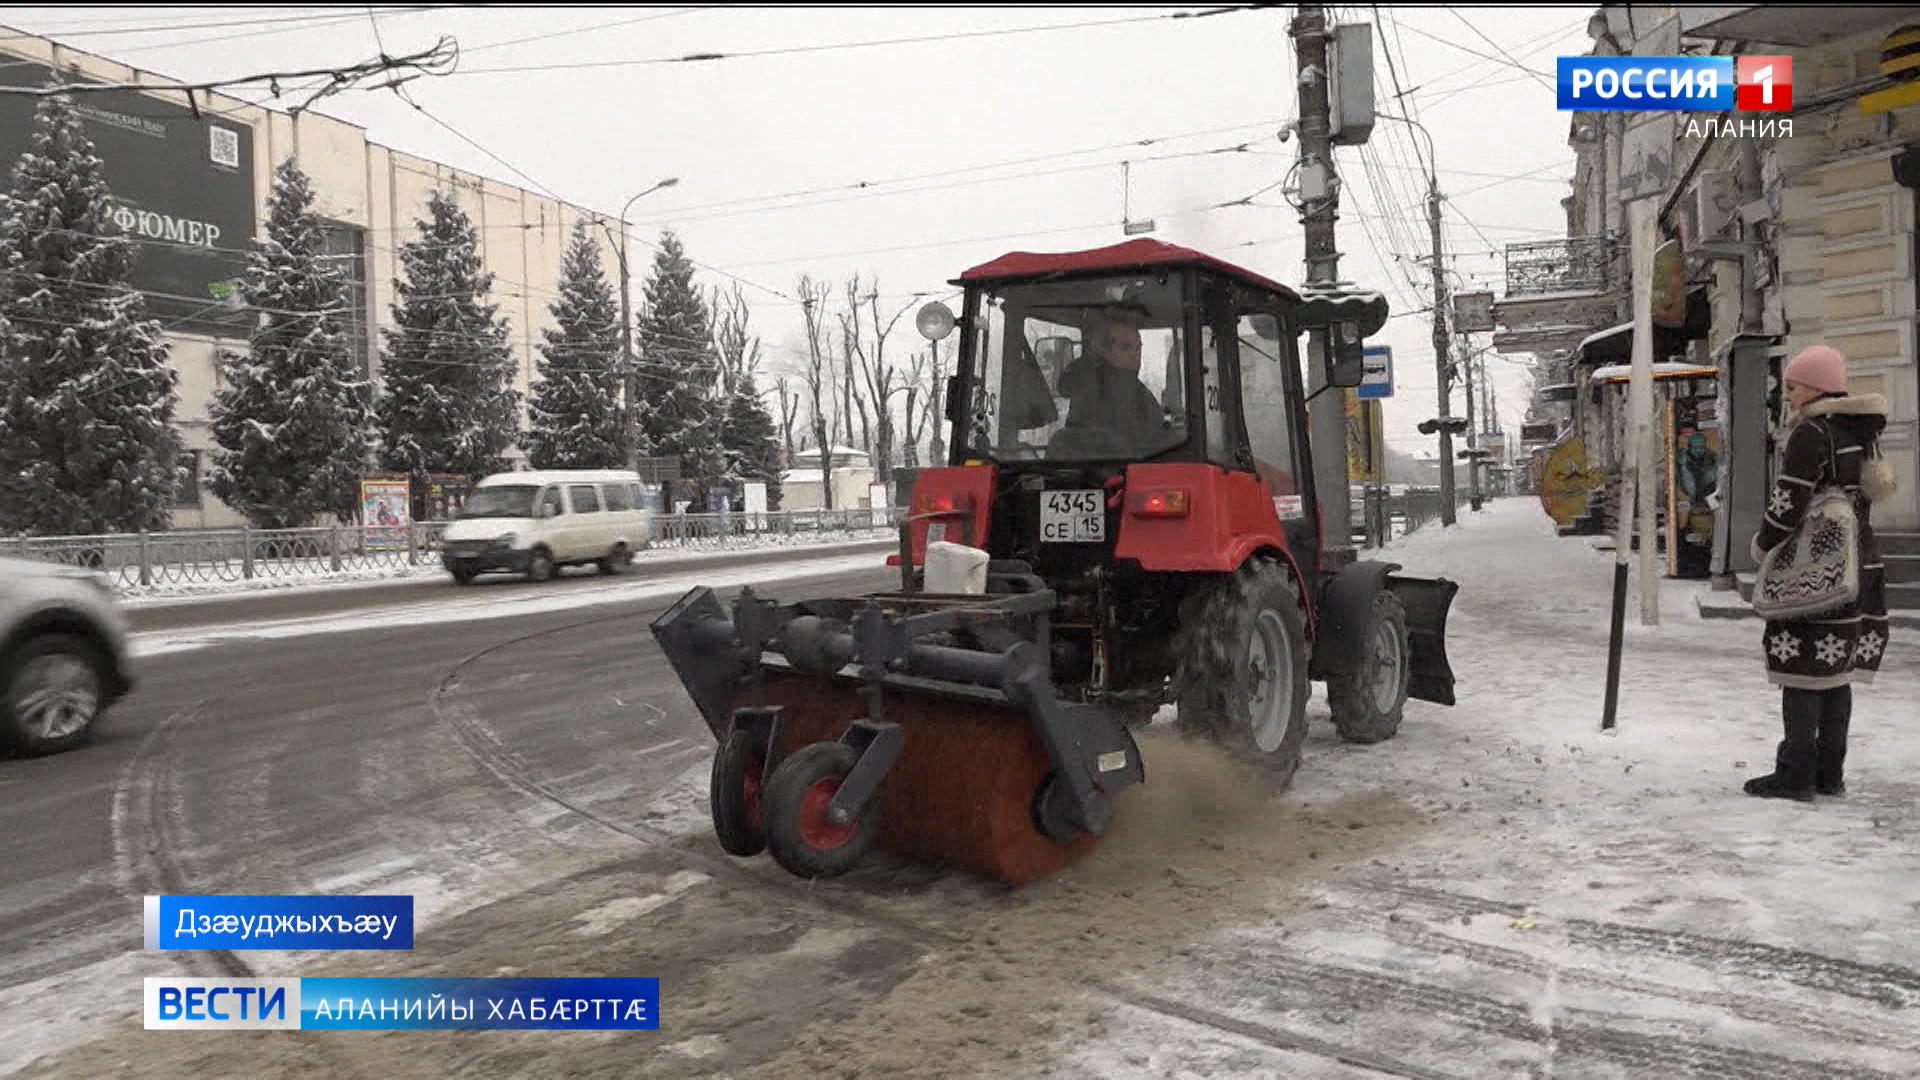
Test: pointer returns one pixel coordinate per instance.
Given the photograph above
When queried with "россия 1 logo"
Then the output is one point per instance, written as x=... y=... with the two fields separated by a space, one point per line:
x=1676 y=83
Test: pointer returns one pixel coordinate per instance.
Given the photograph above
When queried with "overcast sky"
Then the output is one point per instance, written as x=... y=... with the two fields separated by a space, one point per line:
x=918 y=121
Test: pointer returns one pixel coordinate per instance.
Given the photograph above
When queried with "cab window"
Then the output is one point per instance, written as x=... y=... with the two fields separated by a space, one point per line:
x=585 y=498
x=550 y=504
x=619 y=497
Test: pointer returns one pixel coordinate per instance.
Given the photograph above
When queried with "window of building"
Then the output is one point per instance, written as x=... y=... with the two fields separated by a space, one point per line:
x=346 y=245
x=187 y=495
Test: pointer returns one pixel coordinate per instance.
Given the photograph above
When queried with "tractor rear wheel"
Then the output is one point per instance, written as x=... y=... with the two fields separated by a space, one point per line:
x=1243 y=678
x=1369 y=704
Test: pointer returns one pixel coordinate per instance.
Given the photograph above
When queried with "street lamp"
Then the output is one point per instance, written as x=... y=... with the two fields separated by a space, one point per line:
x=628 y=379
x=1441 y=362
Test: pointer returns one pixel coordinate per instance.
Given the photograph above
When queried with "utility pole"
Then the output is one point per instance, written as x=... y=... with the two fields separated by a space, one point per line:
x=1320 y=209
x=1441 y=361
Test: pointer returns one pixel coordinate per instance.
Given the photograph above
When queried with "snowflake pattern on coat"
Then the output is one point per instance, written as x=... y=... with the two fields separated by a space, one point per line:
x=1784 y=646
x=1831 y=650
x=1870 y=645
x=1781 y=503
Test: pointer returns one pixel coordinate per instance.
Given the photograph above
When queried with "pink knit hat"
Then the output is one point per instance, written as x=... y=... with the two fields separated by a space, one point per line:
x=1820 y=366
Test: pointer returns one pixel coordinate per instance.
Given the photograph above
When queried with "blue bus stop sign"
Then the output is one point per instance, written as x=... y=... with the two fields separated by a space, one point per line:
x=1378 y=382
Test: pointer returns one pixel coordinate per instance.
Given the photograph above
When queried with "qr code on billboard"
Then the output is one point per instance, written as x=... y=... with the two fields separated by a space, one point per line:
x=225 y=147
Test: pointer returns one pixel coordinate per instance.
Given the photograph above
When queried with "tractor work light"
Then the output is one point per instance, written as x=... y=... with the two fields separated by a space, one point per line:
x=1162 y=502
x=942 y=503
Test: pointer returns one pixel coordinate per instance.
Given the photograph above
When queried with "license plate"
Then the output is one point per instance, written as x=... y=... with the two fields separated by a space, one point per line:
x=1073 y=517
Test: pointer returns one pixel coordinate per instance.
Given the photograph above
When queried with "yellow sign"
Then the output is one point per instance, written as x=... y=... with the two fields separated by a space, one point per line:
x=1669 y=286
x=1366 y=440
x=1566 y=480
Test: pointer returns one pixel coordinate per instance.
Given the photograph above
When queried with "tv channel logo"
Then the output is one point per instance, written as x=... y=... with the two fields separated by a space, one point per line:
x=1675 y=83
x=190 y=1004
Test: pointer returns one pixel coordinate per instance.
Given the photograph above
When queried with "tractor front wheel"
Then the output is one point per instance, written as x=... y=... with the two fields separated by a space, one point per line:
x=1369 y=703
x=1243 y=648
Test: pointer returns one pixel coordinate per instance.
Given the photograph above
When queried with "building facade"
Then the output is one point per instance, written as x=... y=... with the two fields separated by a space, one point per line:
x=193 y=178
x=1793 y=228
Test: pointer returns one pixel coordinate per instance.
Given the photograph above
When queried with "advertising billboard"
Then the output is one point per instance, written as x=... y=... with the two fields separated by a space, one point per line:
x=182 y=187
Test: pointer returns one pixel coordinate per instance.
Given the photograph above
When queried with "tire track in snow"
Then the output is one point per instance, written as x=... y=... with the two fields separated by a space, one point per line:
x=1881 y=984
x=1746 y=1007
x=1577 y=1033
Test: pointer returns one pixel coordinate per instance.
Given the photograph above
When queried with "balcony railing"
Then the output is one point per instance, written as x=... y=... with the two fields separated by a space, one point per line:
x=1578 y=264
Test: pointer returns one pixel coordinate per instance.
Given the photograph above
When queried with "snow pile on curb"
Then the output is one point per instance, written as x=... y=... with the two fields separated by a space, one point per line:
x=388 y=575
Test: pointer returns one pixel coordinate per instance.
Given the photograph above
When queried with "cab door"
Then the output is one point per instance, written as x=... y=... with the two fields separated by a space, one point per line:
x=1270 y=394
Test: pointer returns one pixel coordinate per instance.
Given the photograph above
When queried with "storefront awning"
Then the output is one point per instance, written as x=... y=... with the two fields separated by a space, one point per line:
x=1666 y=369
x=1614 y=345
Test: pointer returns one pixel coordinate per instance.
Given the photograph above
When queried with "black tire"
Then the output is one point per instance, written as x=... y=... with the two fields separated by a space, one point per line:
x=1359 y=711
x=540 y=565
x=616 y=561
x=795 y=799
x=735 y=793
x=462 y=576
x=62 y=664
x=1222 y=689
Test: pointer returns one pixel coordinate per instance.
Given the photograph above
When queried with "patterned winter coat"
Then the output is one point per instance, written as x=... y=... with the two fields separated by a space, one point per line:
x=1828 y=447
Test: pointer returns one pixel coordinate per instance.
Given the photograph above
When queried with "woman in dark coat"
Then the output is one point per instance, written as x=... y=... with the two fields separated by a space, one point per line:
x=1833 y=443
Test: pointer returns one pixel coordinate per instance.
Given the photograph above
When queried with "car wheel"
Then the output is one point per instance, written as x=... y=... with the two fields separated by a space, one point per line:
x=52 y=690
x=617 y=560
x=540 y=565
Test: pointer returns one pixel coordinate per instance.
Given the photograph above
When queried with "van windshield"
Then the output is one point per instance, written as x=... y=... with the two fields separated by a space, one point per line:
x=500 y=502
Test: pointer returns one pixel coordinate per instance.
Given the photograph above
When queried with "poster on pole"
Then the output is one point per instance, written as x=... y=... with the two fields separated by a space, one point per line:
x=386 y=513
x=1366 y=453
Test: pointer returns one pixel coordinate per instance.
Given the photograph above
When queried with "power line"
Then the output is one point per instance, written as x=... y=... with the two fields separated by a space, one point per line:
x=1533 y=45
x=985 y=239
x=165 y=28
x=1505 y=62
x=792 y=50
x=468 y=51
x=1401 y=95
x=857 y=196
x=861 y=185
x=408 y=98
x=1501 y=49
x=440 y=56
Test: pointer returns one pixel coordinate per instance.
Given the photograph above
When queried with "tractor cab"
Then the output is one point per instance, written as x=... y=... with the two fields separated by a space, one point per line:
x=1125 y=416
x=1073 y=368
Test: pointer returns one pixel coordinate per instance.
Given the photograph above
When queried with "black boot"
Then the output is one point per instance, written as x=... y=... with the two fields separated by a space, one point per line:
x=1831 y=750
x=1793 y=767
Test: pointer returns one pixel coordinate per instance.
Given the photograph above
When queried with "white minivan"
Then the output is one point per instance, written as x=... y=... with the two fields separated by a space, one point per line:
x=534 y=522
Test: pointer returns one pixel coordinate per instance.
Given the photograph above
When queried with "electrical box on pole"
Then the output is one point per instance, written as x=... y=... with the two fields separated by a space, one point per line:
x=1350 y=83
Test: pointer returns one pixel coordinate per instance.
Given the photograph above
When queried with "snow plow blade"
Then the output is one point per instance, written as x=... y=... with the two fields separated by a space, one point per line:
x=1427 y=602
x=923 y=725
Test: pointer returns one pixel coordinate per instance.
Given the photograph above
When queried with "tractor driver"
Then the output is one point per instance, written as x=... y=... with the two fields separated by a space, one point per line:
x=1105 y=391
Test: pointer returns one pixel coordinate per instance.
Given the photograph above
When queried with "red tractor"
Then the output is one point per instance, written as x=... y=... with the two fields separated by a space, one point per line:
x=1130 y=452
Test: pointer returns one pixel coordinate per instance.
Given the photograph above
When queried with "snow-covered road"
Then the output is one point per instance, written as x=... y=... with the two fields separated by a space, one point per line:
x=1501 y=891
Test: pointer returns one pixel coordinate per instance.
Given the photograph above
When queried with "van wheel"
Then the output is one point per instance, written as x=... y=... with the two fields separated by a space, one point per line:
x=617 y=560
x=540 y=565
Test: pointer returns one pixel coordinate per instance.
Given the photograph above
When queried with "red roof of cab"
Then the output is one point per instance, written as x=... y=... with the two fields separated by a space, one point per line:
x=1129 y=255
